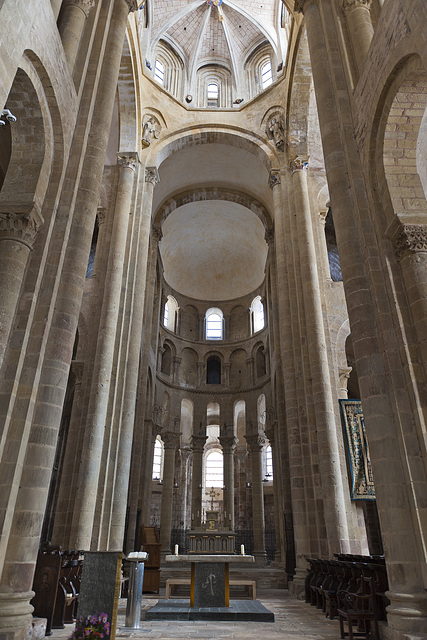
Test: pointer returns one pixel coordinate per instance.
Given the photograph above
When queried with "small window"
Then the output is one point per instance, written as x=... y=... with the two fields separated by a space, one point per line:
x=166 y=314
x=214 y=324
x=213 y=94
x=266 y=75
x=214 y=470
x=257 y=315
x=269 y=463
x=157 y=460
x=159 y=72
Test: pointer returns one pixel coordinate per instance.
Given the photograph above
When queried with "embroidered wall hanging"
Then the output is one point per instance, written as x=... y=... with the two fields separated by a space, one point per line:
x=362 y=483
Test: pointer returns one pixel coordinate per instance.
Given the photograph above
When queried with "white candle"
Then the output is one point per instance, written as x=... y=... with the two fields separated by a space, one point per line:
x=242 y=549
x=176 y=549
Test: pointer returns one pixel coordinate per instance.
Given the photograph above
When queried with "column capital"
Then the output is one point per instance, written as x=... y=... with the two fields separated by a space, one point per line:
x=300 y=163
x=132 y=4
x=21 y=227
x=255 y=442
x=301 y=5
x=128 y=160
x=170 y=439
x=347 y=5
x=274 y=178
x=84 y=5
x=152 y=175
x=409 y=239
x=157 y=234
x=228 y=443
x=198 y=443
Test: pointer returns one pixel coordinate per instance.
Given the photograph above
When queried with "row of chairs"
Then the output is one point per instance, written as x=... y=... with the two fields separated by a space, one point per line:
x=351 y=588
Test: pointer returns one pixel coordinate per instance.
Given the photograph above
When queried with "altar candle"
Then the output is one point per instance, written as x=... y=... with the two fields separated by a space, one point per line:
x=242 y=549
x=176 y=549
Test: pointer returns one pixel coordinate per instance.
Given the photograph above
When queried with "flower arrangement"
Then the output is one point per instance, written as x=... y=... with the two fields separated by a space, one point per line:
x=91 y=628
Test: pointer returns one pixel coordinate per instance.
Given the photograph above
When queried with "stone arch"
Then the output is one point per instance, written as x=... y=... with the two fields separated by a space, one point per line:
x=259 y=356
x=166 y=358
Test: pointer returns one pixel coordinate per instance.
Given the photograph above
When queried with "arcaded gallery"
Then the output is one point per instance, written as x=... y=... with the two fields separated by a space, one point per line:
x=213 y=318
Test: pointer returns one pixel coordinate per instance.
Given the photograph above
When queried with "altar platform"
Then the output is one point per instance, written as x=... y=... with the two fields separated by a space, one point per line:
x=238 y=610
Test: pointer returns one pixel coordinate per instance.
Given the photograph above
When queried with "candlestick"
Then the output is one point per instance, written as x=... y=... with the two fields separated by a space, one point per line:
x=242 y=549
x=176 y=549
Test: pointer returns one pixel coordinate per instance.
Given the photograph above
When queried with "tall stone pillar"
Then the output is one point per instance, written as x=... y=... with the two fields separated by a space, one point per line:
x=197 y=445
x=84 y=510
x=171 y=442
x=71 y=25
x=17 y=235
x=228 y=444
x=334 y=501
x=391 y=432
x=256 y=443
x=27 y=494
x=358 y=16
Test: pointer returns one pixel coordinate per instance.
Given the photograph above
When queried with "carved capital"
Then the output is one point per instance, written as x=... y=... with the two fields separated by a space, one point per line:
x=152 y=175
x=132 y=4
x=84 y=5
x=157 y=234
x=128 y=160
x=269 y=237
x=170 y=439
x=301 y=5
x=300 y=163
x=270 y=435
x=228 y=443
x=21 y=227
x=101 y=214
x=256 y=442
x=409 y=239
x=274 y=177
x=344 y=375
x=198 y=443
x=347 y=5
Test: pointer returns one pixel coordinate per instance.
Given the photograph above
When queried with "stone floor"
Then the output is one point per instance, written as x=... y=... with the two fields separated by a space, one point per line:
x=294 y=620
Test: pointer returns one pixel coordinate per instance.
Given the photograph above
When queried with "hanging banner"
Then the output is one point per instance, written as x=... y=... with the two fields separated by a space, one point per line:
x=362 y=483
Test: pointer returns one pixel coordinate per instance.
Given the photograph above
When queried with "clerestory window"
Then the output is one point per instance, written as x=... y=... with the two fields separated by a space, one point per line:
x=159 y=72
x=213 y=94
x=266 y=74
x=214 y=324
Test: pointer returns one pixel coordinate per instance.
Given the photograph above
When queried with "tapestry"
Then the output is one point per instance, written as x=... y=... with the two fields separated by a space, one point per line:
x=362 y=484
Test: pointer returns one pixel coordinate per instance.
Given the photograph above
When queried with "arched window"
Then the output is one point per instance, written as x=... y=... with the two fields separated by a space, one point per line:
x=158 y=459
x=166 y=360
x=213 y=370
x=159 y=72
x=257 y=315
x=266 y=74
x=268 y=463
x=214 y=476
x=214 y=322
x=170 y=313
x=260 y=363
x=213 y=94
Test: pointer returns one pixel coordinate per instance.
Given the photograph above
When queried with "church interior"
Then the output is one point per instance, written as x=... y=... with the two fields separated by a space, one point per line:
x=213 y=325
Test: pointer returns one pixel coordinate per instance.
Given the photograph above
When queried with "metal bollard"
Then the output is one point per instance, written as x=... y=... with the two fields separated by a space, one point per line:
x=133 y=608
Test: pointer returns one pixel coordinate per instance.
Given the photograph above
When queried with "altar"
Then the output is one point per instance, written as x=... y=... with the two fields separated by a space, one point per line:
x=210 y=577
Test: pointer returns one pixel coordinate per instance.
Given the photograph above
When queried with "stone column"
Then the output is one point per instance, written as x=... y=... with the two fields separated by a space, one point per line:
x=71 y=25
x=171 y=442
x=197 y=445
x=17 y=235
x=228 y=444
x=329 y=457
x=391 y=432
x=358 y=16
x=256 y=443
x=100 y=389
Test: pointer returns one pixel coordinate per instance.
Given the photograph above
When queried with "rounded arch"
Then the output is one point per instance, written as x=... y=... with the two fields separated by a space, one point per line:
x=167 y=354
x=170 y=313
x=214 y=324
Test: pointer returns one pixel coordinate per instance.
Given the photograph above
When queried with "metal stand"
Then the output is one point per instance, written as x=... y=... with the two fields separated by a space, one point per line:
x=133 y=608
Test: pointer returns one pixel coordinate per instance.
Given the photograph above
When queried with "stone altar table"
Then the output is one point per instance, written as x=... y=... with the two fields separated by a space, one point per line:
x=210 y=577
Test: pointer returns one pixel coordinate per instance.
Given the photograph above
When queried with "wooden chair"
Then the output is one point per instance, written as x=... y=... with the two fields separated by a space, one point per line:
x=359 y=609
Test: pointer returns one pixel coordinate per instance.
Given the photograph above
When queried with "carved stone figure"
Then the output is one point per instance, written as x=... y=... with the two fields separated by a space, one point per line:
x=275 y=131
x=150 y=129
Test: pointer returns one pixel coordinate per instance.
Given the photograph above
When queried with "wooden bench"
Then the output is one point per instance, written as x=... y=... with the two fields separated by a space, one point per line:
x=251 y=584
